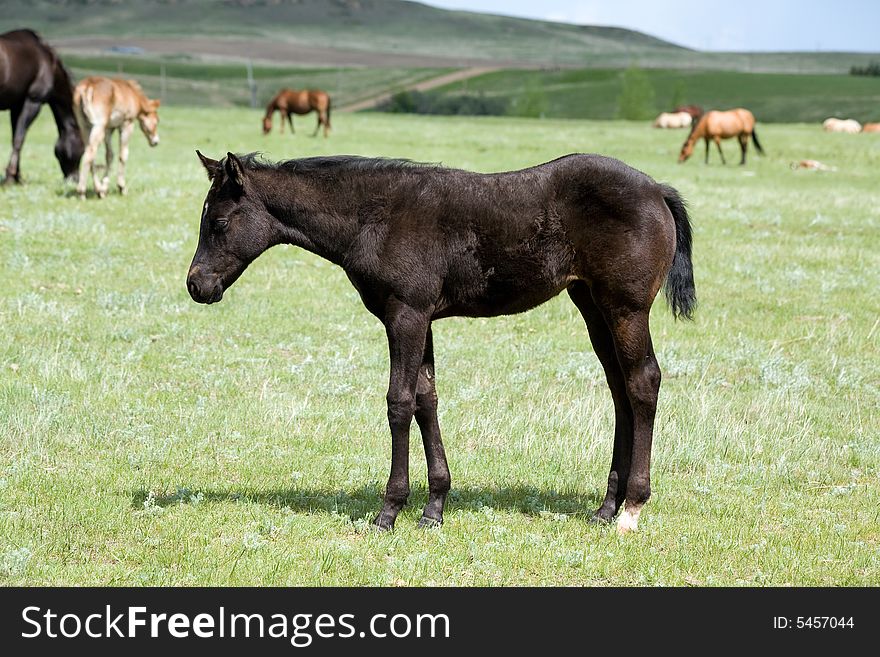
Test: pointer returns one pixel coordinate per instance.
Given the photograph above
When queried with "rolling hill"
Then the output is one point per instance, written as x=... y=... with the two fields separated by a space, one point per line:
x=358 y=26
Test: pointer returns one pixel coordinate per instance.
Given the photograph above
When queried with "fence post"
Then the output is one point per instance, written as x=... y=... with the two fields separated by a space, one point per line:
x=251 y=84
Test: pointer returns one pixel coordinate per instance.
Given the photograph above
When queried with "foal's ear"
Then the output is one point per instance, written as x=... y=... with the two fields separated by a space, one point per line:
x=211 y=166
x=235 y=170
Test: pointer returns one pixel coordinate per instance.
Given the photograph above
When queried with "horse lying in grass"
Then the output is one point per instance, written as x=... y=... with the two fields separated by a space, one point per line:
x=422 y=242
x=102 y=106
x=673 y=120
x=846 y=126
x=715 y=126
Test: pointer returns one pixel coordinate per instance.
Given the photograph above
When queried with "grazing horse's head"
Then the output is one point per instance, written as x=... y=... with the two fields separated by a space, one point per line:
x=267 y=125
x=69 y=151
x=686 y=151
x=148 y=118
x=235 y=228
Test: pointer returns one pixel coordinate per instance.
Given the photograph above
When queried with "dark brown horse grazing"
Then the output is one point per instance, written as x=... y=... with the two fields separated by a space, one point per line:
x=422 y=242
x=31 y=74
x=694 y=110
x=292 y=101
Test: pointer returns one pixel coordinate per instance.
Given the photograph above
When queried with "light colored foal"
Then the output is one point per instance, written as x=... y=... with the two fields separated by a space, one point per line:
x=103 y=105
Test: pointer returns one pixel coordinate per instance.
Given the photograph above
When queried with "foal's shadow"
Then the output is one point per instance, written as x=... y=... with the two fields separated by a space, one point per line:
x=364 y=502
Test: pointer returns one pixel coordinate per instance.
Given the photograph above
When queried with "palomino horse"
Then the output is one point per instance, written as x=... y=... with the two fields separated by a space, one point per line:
x=848 y=126
x=31 y=74
x=715 y=126
x=303 y=101
x=102 y=106
x=673 y=120
x=422 y=242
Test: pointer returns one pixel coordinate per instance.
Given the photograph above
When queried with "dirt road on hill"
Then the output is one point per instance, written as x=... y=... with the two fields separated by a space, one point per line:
x=424 y=85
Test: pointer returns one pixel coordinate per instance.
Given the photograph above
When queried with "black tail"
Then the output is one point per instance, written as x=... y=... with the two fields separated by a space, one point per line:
x=757 y=143
x=680 y=291
x=330 y=102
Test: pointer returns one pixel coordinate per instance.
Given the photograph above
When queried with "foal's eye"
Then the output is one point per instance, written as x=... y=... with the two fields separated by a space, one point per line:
x=222 y=223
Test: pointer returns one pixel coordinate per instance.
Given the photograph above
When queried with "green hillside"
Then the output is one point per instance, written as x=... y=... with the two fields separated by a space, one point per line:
x=369 y=25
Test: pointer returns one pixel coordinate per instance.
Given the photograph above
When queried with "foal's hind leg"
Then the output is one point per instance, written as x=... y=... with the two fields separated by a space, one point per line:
x=603 y=344
x=744 y=145
x=105 y=179
x=426 y=417
x=87 y=165
x=641 y=374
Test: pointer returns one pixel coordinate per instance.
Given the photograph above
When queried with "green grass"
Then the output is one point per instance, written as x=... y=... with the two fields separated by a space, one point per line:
x=145 y=439
x=595 y=93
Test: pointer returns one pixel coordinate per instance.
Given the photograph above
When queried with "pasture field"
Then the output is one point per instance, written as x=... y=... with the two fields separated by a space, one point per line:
x=145 y=439
x=225 y=84
x=595 y=93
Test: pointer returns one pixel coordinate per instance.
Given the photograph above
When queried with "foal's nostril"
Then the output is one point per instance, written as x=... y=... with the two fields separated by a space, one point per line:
x=193 y=288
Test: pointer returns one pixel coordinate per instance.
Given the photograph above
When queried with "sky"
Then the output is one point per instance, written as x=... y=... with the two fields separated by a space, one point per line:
x=744 y=25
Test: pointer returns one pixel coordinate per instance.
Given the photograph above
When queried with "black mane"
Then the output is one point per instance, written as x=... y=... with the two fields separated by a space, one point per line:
x=255 y=162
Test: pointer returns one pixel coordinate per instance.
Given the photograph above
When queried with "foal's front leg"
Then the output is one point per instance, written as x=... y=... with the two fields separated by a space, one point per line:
x=406 y=328
x=426 y=417
x=125 y=133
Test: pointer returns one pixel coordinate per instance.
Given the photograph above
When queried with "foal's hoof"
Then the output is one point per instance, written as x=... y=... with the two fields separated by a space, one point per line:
x=628 y=522
x=600 y=519
x=383 y=523
x=429 y=523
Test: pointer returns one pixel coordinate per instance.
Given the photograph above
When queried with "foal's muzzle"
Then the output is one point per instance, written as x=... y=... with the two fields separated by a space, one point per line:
x=204 y=289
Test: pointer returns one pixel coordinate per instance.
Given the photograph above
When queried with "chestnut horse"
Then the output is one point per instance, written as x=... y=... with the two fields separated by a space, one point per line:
x=715 y=126
x=292 y=101
x=32 y=74
x=423 y=242
x=102 y=106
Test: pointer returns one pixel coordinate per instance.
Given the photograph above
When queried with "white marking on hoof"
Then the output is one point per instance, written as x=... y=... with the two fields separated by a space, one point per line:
x=628 y=521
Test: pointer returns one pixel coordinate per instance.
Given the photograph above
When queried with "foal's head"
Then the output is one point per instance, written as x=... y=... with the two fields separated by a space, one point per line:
x=149 y=121
x=235 y=229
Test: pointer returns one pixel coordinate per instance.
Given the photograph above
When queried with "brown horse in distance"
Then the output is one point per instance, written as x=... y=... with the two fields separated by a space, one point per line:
x=715 y=126
x=32 y=74
x=695 y=111
x=298 y=101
